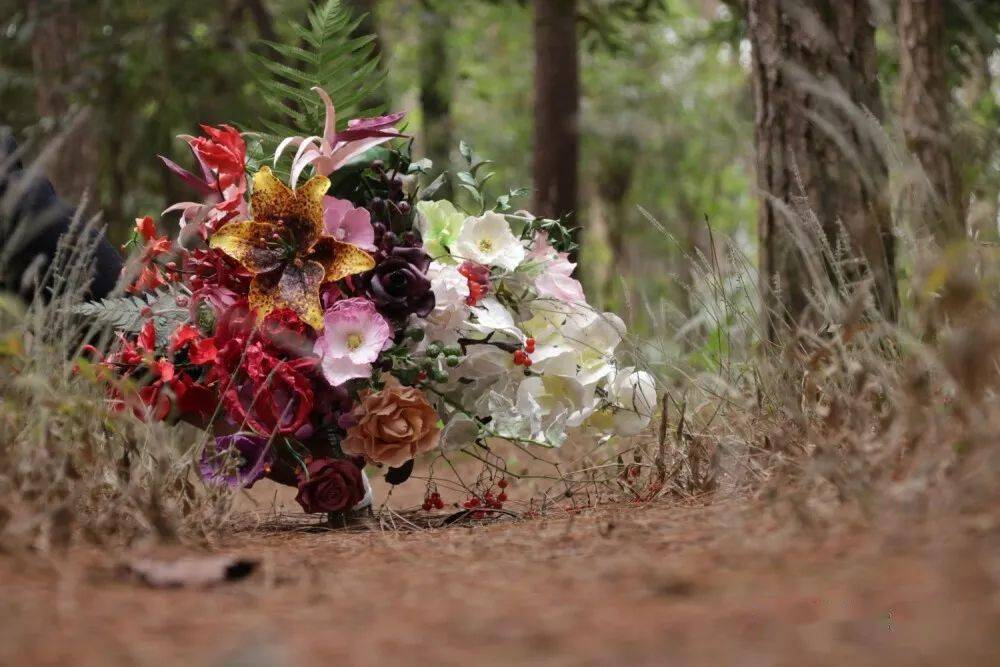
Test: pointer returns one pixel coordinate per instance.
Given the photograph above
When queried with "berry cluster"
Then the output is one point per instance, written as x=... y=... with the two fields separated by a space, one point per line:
x=521 y=357
x=478 y=277
x=432 y=500
x=391 y=210
x=488 y=501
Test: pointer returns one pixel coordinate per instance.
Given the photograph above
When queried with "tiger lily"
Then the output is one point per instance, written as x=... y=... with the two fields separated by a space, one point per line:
x=286 y=250
x=333 y=150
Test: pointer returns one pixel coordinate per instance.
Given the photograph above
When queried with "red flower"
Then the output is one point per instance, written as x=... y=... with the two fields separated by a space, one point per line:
x=270 y=395
x=200 y=350
x=330 y=485
x=151 y=276
x=224 y=153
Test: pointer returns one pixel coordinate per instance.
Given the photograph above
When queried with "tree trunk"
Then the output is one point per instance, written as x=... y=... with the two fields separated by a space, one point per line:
x=937 y=202
x=436 y=82
x=557 y=94
x=56 y=59
x=818 y=163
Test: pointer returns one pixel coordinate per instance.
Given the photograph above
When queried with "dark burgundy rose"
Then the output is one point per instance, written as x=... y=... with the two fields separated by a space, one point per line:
x=330 y=485
x=399 y=286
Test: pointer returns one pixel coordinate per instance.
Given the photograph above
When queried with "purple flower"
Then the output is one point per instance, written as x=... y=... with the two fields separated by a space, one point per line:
x=236 y=461
x=399 y=285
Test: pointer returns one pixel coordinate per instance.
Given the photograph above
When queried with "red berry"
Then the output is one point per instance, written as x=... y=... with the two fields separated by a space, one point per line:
x=146 y=311
x=438 y=503
x=520 y=358
x=527 y=361
x=502 y=483
x=427 y=505
x=502 y=497
x=529 y=345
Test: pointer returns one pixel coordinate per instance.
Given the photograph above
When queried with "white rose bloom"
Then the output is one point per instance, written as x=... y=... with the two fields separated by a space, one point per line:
x=595 y=336
x=553 y=403
x=488 y=240
x=633 y=393
x=445 y=322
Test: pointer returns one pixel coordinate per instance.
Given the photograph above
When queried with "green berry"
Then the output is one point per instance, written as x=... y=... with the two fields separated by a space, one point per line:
x=439 y=375
x=452 y=361
x=452 y=351
x=434 y=350
x=416 y=335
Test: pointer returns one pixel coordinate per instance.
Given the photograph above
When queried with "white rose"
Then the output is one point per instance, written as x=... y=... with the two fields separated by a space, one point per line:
x=488 y=240
x=633 y=393
x=450 y=312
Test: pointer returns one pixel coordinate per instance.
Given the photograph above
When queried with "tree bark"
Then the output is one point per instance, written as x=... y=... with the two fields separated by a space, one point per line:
x=937 y=199
x=436 y=79
x=55 y=54
x=819 y=167
x=557 y=98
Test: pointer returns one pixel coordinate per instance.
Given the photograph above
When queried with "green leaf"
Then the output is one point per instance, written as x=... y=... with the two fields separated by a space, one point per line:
x=420 y=166
x=466 y=151
x=322 y=52
x=438 y=188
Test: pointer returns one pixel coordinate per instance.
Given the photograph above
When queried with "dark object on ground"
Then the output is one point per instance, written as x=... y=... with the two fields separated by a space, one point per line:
x=34 y=217
x=192 y=571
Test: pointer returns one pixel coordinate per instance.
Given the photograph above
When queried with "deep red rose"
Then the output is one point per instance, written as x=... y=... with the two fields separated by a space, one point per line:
x=268 y=394
x=330 y=485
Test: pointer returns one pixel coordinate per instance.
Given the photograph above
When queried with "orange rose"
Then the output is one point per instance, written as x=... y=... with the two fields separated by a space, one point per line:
x=393 y=425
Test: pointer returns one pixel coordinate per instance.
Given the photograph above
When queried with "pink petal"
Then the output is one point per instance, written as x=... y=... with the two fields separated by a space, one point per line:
x=375 y=122
x=330 y=124
x=285 y=143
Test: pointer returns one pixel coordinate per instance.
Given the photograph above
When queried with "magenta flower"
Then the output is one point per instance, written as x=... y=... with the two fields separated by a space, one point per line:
x=354 y=334
x=348 y=224
x=332 y=151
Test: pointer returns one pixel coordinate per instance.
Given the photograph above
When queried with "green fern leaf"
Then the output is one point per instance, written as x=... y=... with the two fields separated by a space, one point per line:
x=322 y=52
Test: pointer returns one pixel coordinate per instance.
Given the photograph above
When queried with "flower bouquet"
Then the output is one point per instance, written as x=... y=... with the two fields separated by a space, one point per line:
x=323 y=313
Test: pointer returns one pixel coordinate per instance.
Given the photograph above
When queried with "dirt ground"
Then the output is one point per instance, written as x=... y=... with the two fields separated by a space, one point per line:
x=660 y=584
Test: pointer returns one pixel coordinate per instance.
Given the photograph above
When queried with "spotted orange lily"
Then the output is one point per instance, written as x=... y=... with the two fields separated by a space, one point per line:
x=285 y=249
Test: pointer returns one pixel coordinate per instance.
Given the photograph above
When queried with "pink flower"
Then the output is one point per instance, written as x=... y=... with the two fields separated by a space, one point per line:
x=348 y=224
x=334 y=149
x=354 y=334
x=556 y=280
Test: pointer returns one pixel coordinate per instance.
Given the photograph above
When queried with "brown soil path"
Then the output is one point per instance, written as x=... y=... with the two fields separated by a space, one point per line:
x=657 y=585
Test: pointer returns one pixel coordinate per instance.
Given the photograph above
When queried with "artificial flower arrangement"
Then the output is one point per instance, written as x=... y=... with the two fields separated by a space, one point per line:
x=341 y=317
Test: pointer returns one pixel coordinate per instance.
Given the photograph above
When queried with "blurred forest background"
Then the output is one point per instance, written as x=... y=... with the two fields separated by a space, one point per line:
x=662 y=91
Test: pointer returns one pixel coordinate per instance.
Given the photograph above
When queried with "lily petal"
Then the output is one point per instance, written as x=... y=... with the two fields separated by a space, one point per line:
x=251 y=244
x=340 y=260
x=330 y=124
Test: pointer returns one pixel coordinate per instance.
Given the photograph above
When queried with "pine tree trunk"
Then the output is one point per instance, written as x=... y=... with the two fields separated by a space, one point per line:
x=56 y=60
x=937 y=202
x=816 y=93
x=557 y=97
x=436 y=83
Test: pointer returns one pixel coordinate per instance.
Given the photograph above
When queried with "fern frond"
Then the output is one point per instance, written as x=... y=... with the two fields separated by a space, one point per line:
x=325 y=52
x=125 y=313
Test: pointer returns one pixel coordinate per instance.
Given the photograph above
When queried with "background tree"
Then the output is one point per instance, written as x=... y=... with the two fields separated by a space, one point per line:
x=59 y=33
x=436 y=80
x=816 y=91
x=937 y=198
x=557 y=99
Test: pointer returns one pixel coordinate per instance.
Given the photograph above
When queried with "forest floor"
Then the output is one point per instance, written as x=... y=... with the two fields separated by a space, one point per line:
x=665 y=583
